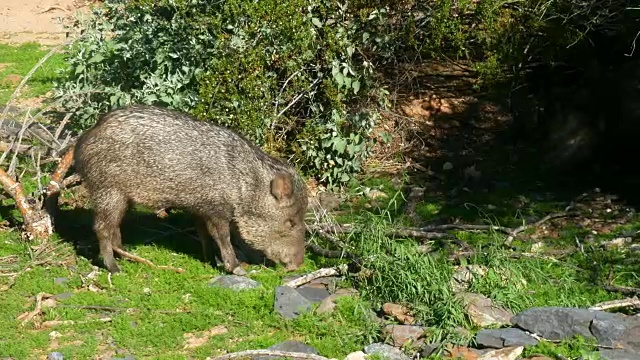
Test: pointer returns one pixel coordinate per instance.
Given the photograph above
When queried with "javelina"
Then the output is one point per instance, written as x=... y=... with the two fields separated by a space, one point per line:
x=162 y=158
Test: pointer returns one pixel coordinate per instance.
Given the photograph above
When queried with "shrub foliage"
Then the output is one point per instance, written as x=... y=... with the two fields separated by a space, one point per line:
x=298 y=76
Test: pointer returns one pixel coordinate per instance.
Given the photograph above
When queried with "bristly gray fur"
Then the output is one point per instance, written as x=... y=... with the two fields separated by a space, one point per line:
x=162 y=158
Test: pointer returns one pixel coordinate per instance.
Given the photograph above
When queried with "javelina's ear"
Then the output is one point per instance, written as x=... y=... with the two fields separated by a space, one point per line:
x=281 y=186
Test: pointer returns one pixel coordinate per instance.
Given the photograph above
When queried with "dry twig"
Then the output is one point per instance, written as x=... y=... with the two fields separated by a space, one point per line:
x=280 y=354
x=145 y=261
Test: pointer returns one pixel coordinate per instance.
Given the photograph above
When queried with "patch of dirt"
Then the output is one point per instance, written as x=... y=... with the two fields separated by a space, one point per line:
x=39 y=21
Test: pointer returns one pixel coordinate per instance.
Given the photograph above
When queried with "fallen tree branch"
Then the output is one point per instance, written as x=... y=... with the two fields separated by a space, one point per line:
x=141 y=260
x=26 y=317
x=280 y=354
x=419 y=233
x=325 y=272
x=52 y=192
x=37 y=222
x=625 y=290
x=518 y=230
x=324 y=252
x=614 y=304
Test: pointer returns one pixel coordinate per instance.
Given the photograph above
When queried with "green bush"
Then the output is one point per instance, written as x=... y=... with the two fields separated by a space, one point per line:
x=288 y=74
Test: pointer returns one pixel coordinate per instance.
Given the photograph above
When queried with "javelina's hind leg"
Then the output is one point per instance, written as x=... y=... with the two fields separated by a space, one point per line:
x=109 y=209
x=205 y=241
x=219 y=230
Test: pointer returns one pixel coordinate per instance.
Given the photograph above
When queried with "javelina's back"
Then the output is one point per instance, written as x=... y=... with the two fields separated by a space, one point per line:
x=162 y=158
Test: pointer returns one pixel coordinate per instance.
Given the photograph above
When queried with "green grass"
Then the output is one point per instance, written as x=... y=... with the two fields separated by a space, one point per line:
x=19 y=60
x=163 y=307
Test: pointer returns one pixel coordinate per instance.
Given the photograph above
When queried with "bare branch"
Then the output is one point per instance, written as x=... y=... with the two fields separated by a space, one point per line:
x=326 y=272
x=283 y=354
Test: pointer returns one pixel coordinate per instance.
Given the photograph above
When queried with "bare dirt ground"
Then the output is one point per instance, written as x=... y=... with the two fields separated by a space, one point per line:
x=39 y=21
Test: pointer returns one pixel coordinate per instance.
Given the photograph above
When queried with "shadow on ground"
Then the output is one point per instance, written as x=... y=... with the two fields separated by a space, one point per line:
x=176 y=233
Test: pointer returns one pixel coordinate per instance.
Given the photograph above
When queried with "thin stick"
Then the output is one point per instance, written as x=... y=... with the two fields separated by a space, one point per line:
x=145 y=261
x=325 y=272
x=282 y=354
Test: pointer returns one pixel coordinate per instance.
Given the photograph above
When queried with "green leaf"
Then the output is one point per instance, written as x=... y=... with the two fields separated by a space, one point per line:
x=95 y=58
x=316 y=22
x=356 y=86
x=340 y=145
x=80 y=68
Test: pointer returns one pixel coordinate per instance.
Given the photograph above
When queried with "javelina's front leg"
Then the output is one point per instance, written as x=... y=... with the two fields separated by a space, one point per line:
x=219 y=230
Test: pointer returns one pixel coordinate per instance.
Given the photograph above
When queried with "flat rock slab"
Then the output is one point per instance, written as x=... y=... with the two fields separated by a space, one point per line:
x=313 y=294
x=289 y=345
x=557 y=323
x=290 y=303
x=234 y=282
x=386 y=351
x=500 y=338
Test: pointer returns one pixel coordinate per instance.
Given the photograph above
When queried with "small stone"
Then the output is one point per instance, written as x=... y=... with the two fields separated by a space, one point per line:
x=375 y=194
x=358 y=355
x=429 y=349
x=289 y=303
x=55 y=356
x=508 y=353
x=234 y=282
x=399 y=312
x=464 y=275
x=386 y=351
x=462 y=352
x=63 y=296
x=401 y=334
x=60 y=280
x=482 y=311
x=500 y=338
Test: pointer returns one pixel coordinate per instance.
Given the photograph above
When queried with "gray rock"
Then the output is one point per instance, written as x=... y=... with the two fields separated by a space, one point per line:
x=55 y=356
x=386 y=351
x=289 y=345
x=555 y=323
x=613 y=354
x=617 y=330
x=234 y=282
x=313 y=294
x=290 y=303
x=60 y=280
x=500 y=338
x=429 y=349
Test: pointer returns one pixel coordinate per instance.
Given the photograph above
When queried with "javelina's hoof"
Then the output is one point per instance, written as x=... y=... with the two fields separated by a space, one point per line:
x=113 y=268
x=239 y=271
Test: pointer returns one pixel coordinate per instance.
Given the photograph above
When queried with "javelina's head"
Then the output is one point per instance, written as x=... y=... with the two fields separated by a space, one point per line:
x=275 y=225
